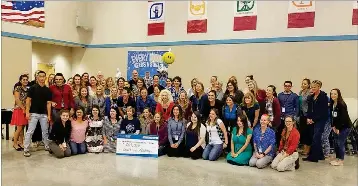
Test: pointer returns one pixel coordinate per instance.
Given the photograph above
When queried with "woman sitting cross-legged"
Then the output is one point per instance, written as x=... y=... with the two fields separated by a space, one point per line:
x=287 y=154
x=217 y=137
x=264 y=144
x=159 y=127
x=241 y=148
x=176 y=133
x=78 y=132
x=60 y=136
x=195 y=137
x=94 y=137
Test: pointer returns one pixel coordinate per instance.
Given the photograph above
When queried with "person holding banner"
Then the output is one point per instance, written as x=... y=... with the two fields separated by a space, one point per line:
x=176 y=132
x=130 y=124
x=110 y=131
x=160 y=128
x=195 y=137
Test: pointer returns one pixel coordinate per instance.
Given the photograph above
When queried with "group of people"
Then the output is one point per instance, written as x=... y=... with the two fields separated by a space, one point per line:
x=252 y=126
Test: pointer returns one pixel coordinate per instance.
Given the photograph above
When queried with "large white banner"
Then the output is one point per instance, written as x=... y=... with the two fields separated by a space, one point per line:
x=137 y=145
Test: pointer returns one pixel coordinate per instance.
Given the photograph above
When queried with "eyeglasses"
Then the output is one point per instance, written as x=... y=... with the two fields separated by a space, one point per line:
x=287 y=86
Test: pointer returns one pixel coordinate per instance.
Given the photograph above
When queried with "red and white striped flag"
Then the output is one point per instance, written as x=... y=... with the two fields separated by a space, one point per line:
x=245 y=16
x=156 y=21
x=24 y=12
x=301 y=14
x=197 y=17
x=355 y=13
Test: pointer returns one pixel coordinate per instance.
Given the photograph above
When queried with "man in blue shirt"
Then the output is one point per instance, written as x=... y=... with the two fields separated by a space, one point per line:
x=289 y=102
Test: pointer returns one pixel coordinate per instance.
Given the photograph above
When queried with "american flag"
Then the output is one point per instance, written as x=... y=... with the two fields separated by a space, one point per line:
x=26 y=12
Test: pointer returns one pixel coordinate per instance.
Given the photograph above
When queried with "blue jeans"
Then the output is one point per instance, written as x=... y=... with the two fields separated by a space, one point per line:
x=339 y=142
x=325 y=138
x=78 y=148
x=34 y=118
x=212 y=152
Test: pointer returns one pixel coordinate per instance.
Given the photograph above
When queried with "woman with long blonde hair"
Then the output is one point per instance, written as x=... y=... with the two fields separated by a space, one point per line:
x=145 y=119
x=259 y=94
x=165 y=104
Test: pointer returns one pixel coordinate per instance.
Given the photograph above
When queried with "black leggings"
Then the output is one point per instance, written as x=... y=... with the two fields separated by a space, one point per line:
x=306 y=132
x=176 y=152
x=197 y=154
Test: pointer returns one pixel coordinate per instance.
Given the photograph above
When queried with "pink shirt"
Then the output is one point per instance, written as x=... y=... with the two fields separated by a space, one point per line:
x=78 y=132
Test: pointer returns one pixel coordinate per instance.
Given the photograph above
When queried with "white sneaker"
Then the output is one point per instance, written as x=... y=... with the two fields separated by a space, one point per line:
x=27 y=154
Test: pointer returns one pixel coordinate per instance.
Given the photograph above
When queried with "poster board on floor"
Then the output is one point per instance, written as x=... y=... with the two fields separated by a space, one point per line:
x=137 y=145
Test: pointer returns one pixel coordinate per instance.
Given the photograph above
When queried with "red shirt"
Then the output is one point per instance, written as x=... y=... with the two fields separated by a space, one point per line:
x=291 y=142
x=62 y=93
x=166 y=114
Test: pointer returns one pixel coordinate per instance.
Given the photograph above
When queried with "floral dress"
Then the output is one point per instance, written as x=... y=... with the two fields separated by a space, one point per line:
x=110 y=131
x=94 y=135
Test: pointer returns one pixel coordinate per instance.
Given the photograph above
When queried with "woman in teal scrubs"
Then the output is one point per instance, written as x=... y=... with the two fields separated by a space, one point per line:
x=241 y=149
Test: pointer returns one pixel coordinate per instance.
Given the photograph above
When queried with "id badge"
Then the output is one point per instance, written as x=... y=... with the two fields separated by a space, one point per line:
x=260 y=150
x=334 y=114
x=229 y=129
x=176 y=137
x=64 y=144
x=62 y=104
x=283 y=110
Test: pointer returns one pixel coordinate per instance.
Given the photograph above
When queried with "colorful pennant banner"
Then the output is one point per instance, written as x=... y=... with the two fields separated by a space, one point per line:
x=197 y=17
x=245 y=16
x=156 y=21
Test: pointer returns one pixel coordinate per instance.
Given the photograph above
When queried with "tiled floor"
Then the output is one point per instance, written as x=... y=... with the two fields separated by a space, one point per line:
x=41 y=169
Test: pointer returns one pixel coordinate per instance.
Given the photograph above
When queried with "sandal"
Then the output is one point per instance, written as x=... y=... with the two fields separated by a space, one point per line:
x=18 y=148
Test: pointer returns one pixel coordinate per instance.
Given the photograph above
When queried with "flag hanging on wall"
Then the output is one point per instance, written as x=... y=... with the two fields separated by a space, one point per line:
x=355 y=13
x=245 y=17
x=197 y=17
x=24 y=12
x=156 y=22
x=301 y=14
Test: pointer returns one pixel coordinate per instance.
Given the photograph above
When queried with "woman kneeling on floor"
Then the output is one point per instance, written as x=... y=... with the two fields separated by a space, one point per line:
x=287 y=154
x=195 y=137
x=78 y=132
x=264 y=144
x=60 y=136
x=241 y=148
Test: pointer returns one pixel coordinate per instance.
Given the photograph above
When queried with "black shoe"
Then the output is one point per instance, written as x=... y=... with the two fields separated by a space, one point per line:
x=308 y=159
x=18 y=148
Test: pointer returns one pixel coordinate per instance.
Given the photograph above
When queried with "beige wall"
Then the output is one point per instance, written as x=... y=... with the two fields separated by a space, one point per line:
x=47 y=53
x=60 y=22
x=334 y=63
x=15 y=59
x=126 y=21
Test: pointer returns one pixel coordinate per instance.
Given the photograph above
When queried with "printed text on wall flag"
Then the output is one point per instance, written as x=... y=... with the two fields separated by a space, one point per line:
x=197 y=17
x=301 y=14
x=355 y=13
x=245 y=16
x=156 y=21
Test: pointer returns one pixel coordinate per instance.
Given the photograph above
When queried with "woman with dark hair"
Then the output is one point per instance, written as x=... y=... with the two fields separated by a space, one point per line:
x=120 y=86
x=195 y=137
x=176 y=132
x=160 y=128
x=156 y=83
x=94 y=137
x=50 y=80
x=84 y=101
x=139 y=86
x=217 y=139
x=306 y=130
x=169 y=83
x=110 y=131
x=210 y=103
x=76 y=84
x=273 y=108
x=251 y=109
x=92 y=88
x=287 y=155
x=18 y=116
x=176 y=88
x=341 y=125
x=78 y=132
x=230 y=112
x=145 y=101
x=232 y=90
x=241 y=148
